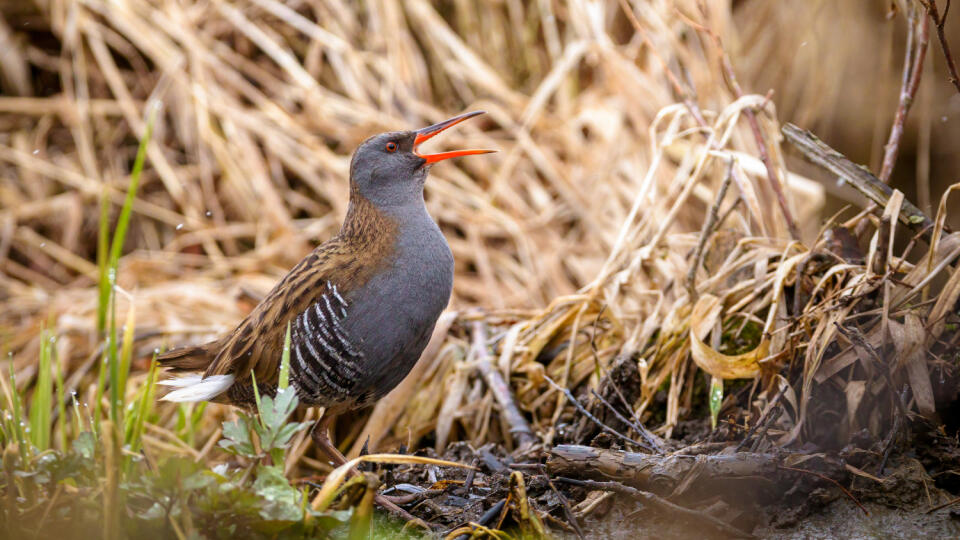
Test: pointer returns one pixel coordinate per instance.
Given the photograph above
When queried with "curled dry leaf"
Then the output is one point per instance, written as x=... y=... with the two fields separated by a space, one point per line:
x=740 y=366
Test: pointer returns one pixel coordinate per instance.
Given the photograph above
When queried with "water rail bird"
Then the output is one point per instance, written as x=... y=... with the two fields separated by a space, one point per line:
x=361 y=306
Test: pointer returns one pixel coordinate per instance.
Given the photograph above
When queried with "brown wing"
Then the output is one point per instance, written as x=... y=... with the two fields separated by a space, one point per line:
x=364 y=247
x=257 y=343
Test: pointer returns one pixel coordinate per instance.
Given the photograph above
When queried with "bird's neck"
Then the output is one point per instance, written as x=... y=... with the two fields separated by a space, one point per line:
x=365 y=220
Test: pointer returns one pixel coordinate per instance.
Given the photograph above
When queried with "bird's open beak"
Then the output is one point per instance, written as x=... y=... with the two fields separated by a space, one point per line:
x=428 y=132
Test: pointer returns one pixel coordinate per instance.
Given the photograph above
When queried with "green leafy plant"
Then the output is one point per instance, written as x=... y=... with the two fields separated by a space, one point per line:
x=268 y=435
x=140 y=408
x=271 y=427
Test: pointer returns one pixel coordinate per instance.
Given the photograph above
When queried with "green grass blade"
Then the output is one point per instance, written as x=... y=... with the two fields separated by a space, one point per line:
x=103 y=245
x=126 y=356
x=196 y=416
x=113 y=362
x=61 y=402
x=285 y=361
x=256 y=391
x=16 y=414
x=78 y=418
x=142 y=408
x=6 y=430
x=189 y=417
x=42 y=403
x=123 y=222
x=108 y=273
x=98 y=397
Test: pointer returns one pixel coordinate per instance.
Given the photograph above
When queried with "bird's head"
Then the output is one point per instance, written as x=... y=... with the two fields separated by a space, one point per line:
x=388 y=170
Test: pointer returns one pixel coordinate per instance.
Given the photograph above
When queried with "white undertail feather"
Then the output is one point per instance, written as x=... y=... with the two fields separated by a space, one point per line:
x=197 y=387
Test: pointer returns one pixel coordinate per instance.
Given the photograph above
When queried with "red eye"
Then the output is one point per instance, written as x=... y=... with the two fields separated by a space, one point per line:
x=391 y=146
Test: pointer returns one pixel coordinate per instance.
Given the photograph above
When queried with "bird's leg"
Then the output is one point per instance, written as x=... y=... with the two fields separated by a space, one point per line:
x=321 y=437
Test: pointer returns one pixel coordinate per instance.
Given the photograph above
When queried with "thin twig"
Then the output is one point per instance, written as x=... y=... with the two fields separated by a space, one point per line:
x=657 y=501
x=951 y=502
x=855 y=337
x=763 y=418
x=831 y=480
x=681 y=91
x=763 y=430
x=772 y=175
x=471 y=474
x=636 y=423
x=938 y=22
x=638 y=427
x=414 y=497
x=563 y=503
x=707 y=231
x=484 y=519
x=899 y=415
x=726 y=213
x=912 y=72
x=595 y=420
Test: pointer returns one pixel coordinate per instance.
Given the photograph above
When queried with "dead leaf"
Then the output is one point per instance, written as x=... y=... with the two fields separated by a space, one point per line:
x=909 y=339
x=742 y=366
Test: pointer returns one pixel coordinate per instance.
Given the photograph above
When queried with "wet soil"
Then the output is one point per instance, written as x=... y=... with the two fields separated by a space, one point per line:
x=843 y=519
x=916 y=494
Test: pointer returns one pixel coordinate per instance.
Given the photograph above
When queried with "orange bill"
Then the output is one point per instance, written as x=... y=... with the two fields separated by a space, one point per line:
x=429 y=132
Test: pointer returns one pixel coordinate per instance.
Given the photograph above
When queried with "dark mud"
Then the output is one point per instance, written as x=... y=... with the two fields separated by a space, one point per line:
x=913 y=493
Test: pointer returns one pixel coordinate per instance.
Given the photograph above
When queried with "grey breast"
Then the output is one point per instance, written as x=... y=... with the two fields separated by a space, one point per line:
x=391 y=319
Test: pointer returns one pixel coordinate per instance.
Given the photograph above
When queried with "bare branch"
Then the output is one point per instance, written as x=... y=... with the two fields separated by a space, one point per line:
x=910 y=82
x=858 y=176
x=938 y=22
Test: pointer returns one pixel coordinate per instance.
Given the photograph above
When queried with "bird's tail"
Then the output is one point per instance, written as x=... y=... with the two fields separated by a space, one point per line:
x=195 y=358
x=195 y=387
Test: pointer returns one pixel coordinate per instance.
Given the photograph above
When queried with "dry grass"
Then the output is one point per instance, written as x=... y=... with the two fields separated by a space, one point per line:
x=576 y=239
